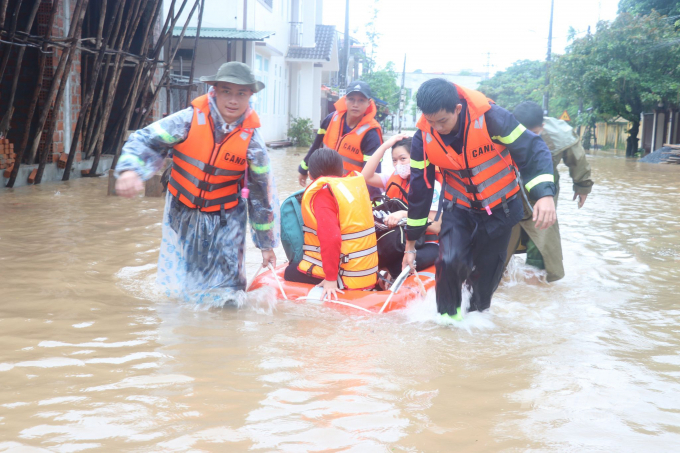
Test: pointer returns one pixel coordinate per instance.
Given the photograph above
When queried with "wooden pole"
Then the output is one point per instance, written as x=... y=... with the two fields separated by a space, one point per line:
x=10 y=38
x=139 y=87
x=112 y=33
x=148 y=77
x=193 y=56
x=59 y=74
x=3 y=12
x=166 y=74
x=7 y=118
x=118 y=70
x=36 y=95
x=87 y=76
x=57 y=105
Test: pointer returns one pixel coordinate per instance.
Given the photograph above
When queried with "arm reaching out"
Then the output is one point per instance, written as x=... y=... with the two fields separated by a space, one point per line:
x=370 y=166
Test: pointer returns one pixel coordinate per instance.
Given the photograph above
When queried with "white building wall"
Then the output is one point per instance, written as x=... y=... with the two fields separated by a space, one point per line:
x=292 y=88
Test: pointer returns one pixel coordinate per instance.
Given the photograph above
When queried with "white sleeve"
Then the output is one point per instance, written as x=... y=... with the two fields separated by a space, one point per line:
x=384 y=177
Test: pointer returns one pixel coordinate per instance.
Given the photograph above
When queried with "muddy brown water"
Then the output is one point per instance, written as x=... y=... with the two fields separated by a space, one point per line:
x=93 y=357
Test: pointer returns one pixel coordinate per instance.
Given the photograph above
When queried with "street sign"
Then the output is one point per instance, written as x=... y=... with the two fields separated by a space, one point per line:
x=565 y=116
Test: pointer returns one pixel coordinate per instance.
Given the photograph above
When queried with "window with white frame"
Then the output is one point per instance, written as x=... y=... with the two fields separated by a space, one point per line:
x=262 y=74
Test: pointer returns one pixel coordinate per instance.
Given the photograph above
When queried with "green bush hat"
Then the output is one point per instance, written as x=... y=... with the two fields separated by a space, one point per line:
x=237 y=73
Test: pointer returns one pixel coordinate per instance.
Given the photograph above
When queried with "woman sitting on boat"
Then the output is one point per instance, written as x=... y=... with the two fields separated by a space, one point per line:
x=396 y=185
x=339 y=234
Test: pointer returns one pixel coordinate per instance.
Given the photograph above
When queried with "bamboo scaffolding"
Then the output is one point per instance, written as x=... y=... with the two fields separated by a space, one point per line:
x=57 y=87
x=110 y=52
x=64 y=61
x=34 y=99
x=149 y=28
x=3 y=11
x=112 y=32
x=57 y=104
x=7 y=118
x=166 y=74
x=12 y=33
x=159 y=46
x=139 y=87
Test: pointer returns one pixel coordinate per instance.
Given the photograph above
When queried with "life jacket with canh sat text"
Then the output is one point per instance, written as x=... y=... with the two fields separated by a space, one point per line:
x=349 y=145
x=207 y=175
x=483 y=175
x=358 y=249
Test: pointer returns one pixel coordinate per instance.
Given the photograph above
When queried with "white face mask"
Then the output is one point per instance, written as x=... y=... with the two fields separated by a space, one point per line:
x=403 y=170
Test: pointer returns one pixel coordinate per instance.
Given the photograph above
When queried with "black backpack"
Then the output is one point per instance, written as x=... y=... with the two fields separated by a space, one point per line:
x=391 y=241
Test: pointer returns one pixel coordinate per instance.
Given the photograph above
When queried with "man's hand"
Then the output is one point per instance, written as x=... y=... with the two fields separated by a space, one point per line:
x=544 y=213
x=129 y=184
x=268 y=257
x=409 y=258
x=302 y=179
x=581 y=199
x=330 y=289
x=393 y=219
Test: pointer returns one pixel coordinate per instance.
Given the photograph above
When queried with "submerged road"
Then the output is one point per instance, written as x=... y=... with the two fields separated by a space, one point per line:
x=93 y=356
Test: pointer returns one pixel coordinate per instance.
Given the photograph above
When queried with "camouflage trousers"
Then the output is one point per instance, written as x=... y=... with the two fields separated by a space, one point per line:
x=201 y=260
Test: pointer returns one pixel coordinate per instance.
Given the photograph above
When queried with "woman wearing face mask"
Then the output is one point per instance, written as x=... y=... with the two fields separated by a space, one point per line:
x=396 y=185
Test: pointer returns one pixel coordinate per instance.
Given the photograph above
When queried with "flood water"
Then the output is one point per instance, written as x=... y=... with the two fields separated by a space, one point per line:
x=93 y=357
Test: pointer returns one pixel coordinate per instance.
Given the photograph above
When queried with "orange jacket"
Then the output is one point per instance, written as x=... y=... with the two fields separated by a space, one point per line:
x=483 y=175
x=358 y=250
x=208 y=175
x=397 y=187
x=349 y=145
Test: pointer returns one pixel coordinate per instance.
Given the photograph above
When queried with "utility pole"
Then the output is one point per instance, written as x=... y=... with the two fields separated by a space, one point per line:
x=402 y=94
x=345 y=62
x=488 y=65
x=546 y=95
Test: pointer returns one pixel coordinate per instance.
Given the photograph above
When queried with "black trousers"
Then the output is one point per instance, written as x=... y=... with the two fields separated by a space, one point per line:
x=469 y=255
x=292 y=274
x=426 y=255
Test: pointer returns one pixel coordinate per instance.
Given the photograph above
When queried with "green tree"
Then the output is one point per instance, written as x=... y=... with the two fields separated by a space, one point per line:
x=523 y=81
x=384 y=86
x=630 y=65
x=644 y=7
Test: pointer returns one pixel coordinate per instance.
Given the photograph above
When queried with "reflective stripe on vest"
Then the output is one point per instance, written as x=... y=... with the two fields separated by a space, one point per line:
x=349 y=145
x=207 y=175
x=483 y=174
x=358 y=258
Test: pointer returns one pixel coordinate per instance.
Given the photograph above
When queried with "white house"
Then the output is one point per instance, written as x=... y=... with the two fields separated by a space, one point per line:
x=282 y=40
x=413 y=80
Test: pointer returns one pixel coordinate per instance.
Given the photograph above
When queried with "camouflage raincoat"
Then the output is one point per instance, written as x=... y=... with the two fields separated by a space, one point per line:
x=200 y=260
x=565 y=146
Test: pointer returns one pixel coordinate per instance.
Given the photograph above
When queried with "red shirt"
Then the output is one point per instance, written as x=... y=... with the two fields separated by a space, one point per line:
x=328 y=231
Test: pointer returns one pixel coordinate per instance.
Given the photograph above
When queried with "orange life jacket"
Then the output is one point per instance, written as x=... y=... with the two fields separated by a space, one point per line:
x=397 y=187
x=207 y=175
x=392 y=190
x=349 y=145
x=358 y=250
x=483 y=175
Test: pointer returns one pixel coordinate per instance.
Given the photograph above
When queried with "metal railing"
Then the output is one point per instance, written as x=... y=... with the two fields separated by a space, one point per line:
x=296 y=34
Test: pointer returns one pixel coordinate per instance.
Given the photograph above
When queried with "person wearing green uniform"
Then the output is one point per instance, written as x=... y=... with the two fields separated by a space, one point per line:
x=544 y=247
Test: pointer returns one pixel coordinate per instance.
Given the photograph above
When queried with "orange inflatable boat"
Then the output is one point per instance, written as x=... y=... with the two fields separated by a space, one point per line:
x=413 y=287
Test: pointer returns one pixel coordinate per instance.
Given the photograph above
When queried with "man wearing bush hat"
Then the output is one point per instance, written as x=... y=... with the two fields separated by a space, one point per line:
x=220 y=169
